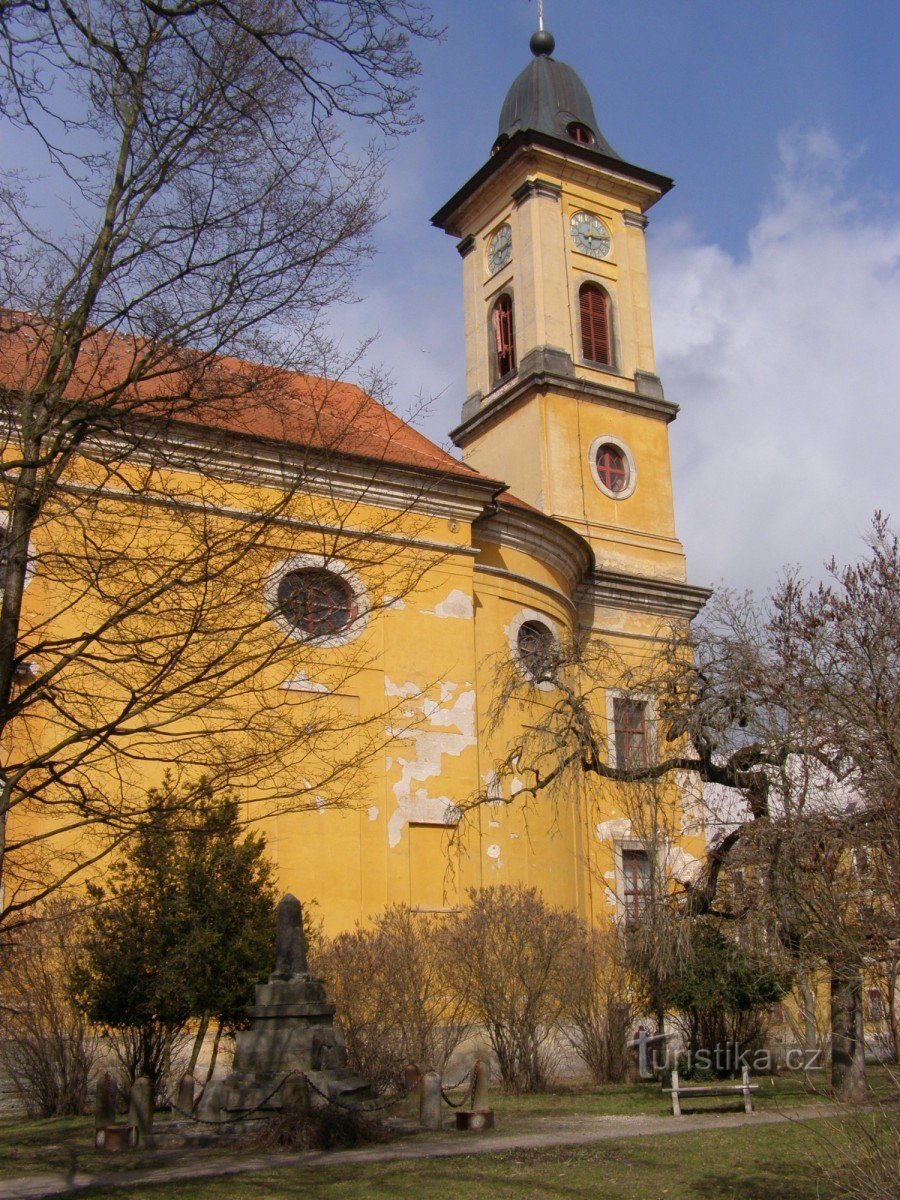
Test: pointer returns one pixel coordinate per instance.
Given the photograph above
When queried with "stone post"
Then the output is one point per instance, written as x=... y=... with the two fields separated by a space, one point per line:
x=481 y=1077
x=430 y=1100
x=185 y=1101
x=105 y=1099
x=140 y=1111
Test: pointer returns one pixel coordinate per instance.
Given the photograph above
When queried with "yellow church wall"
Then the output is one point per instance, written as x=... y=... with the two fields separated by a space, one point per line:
x=512 y=452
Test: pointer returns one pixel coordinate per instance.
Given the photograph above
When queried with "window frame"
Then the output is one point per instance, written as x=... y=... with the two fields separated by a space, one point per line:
x=317 y=562
x=627 y=902
x=494 y=336
x=650 y=740
x=595 y=446
x=591 y=286
x=527 y=616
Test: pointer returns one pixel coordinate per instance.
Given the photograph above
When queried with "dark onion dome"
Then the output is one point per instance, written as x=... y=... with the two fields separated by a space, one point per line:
x=548 y=97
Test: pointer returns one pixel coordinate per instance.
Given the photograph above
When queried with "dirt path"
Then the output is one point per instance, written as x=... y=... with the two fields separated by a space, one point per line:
x=545 y=1131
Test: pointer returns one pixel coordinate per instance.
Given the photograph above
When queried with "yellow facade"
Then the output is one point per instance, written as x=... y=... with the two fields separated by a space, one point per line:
x=530 y=537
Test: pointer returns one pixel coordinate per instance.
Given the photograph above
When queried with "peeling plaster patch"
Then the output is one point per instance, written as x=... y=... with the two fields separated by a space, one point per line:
x=302 y=683
x=423 y=810
x=494 y=824
x=457 y=604
x=515 y=787
x=493 y=851
x=513 y=837
x=407 y=690
x=373 y=812
x=685 y=867
x=449 y=731
x=321 y=803
x=492 y=787
x=393 y=602
x=610 y=875
x=607 y=831
x=610 y=899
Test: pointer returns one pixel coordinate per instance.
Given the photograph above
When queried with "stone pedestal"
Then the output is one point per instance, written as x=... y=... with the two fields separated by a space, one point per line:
x=291 y=1043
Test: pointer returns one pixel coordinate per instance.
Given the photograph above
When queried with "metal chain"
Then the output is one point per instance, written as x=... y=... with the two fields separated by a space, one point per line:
x=359 y=1106
x=231 y=1120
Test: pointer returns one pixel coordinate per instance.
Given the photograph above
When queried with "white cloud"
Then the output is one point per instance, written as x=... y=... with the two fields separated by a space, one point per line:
x=786 y=362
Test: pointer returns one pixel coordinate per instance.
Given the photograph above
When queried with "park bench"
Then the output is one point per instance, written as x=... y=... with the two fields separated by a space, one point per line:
x=744 y=1088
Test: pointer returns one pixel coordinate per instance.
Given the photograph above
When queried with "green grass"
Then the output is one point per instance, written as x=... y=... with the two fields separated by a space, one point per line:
x=737 y=1164
x=59 y=1146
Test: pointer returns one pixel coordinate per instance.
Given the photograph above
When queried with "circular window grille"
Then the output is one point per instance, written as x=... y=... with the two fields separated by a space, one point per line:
x=316 y=602
x=612 y=468
x=535 y=644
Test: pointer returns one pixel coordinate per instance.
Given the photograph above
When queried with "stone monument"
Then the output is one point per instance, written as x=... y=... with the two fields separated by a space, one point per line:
x=291 y=1047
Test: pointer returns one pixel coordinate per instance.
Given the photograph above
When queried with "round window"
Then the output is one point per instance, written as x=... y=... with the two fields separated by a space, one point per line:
x=316 y=602
x=535 y=644
x=612 y=468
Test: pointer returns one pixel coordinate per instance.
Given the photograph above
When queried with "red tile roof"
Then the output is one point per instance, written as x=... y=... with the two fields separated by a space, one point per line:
x=223 y=393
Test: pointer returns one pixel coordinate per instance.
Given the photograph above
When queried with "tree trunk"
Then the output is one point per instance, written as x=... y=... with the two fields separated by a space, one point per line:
x=808 y=997
x=848 y=1066
x=198 y=1044
x=215 y=1050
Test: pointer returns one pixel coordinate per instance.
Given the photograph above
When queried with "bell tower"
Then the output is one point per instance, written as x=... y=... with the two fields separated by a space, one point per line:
x=563 y=399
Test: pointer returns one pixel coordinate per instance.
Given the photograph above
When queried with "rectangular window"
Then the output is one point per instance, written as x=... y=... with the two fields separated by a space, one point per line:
x=630 y=720
x=637 y=883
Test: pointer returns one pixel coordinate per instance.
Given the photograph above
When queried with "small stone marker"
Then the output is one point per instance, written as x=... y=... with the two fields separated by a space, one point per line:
x=140 y=1111
x=480 y=1116
x=185 y=1101
x=430 y=1100
x=105 y=1101
x=642 y=1043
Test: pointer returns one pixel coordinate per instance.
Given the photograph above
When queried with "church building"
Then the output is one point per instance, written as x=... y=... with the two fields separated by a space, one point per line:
x=557 y=522
x=566 y=421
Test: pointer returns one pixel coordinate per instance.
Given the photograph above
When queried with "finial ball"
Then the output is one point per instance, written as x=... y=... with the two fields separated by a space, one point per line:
x=542 y=42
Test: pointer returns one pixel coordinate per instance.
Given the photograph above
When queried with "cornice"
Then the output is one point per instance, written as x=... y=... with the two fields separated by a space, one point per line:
x=348 y=477
x=276 y=520
x=531 y=584
x=530 y=150
x=544 y=538
x=643 y=593
x=544 y=379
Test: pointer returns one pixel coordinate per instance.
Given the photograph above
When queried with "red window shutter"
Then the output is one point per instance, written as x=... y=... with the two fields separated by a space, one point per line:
x=504 y=338
x=594 y=324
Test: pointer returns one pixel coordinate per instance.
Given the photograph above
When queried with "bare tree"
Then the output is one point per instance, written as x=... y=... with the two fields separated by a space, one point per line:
x=393 y=997
x=203 y=208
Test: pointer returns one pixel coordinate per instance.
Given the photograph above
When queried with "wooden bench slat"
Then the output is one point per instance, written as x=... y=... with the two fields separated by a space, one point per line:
x=716 y=1091
x=743 y=1089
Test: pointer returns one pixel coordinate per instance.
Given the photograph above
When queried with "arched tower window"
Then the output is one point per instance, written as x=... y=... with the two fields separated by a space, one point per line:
x=595 y=339
x=503 y=337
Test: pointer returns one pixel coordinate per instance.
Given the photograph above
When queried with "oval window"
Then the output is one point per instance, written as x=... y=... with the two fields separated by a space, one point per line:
x=535 y=644
x=612 y=468
x=316 y=602
x=580 y=133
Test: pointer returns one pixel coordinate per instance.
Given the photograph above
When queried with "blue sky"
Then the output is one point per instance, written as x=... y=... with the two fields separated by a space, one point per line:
x=775 y=261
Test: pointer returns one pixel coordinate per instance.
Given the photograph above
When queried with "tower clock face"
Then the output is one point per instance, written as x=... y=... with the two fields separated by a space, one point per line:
x=590 y=235
x=499 y=249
